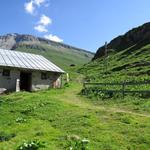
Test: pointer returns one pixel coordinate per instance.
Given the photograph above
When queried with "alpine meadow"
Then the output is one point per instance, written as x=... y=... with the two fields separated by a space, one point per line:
x=54 y=96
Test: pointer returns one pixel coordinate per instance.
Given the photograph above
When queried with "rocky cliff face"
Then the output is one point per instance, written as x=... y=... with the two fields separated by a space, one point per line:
x=12 y=41
x=135 y=38
x=7 y=42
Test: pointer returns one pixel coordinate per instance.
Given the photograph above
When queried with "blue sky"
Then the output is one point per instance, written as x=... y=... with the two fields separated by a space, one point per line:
x=82 y=23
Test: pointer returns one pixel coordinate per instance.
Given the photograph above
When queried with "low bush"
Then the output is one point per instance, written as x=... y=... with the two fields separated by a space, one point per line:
x=31 y=145
x=5 y=136
x=21 y=120
x=74 y=142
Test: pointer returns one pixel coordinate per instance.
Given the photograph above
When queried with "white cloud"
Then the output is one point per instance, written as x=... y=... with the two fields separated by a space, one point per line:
x=39 y=2
x=43 y=23
x=53 y=38
x=32 y=4
x=29 y=7
x=40 y=28
x=45 y=20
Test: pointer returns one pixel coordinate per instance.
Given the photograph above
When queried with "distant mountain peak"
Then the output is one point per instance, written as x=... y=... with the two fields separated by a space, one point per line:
x=61 y=54
x=11 y=40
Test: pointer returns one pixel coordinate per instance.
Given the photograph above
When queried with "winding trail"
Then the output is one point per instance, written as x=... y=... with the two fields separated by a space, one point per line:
x=71 y=96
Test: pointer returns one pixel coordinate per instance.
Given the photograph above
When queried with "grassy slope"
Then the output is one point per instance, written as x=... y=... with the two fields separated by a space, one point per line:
x=54 y=114
x=63 y=57
x=127 y=65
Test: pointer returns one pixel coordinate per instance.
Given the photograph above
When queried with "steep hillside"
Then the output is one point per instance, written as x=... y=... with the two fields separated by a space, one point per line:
x=128 y=58
x=135 y=38
x=61 y=54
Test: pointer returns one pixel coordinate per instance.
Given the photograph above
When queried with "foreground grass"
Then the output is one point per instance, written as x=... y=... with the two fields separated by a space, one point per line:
x=51 y=116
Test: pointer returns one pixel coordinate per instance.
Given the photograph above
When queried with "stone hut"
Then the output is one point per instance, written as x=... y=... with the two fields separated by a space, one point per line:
x=27 y=72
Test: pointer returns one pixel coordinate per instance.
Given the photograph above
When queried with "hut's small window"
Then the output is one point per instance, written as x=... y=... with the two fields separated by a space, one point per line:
x=6 y=72
x=44 y=76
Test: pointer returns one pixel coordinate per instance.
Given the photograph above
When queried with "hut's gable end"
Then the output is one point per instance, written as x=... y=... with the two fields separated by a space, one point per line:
x=39 y=83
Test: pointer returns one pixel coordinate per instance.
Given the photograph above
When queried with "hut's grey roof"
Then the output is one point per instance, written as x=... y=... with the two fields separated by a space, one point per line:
x=11 y=58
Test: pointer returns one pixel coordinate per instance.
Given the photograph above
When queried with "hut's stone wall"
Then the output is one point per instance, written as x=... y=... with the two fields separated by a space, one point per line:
x=9 y=83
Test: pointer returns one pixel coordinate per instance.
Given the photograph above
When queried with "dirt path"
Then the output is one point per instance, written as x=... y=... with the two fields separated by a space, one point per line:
x=71 y=96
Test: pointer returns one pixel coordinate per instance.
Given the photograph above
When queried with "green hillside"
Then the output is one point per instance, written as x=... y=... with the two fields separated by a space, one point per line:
x=127 y=59
x=62 y=119
x=124 y=66
x=62 y=57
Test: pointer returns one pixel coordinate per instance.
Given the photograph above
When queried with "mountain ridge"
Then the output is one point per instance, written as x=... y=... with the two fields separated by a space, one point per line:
x=61 y=54
x=27 y=37
x=135 y=38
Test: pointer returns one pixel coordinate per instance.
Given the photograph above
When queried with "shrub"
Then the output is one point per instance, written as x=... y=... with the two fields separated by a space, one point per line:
x=75 y=143
x=66 y=85
x=126 y=120
x=6 y=137
x=95 y=92
x=27 y=110
x=31 y=145
x=20 y=120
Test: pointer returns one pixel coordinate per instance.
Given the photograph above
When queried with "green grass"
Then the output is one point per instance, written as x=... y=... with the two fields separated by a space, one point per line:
x=53 y=115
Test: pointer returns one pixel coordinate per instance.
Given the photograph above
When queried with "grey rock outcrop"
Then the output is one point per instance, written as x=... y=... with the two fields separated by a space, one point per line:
x=135 y=38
